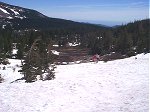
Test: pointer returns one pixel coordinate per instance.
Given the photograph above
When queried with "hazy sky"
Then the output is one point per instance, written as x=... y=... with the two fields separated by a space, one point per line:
x=108 y=12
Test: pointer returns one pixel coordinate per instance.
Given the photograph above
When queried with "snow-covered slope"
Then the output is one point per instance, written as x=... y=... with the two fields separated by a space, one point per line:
x=19 y=18
x=115 y=86
x=11 y=12
x=16 y=17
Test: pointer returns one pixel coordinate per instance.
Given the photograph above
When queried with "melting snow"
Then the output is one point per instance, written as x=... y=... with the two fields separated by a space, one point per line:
x=73 y=44
x=4 y=10
x=55 y=45
x=55 y=52
x=115 y=86
x=21 y=17
x=10 y=17
x=3 y=27
x=15 y=12
x=14 y=51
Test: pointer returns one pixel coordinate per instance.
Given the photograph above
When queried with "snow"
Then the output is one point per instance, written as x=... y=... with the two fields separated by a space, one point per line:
x=55 y=45
x=55 y=52
x=10 y=17
x=4 y=10
x=115 y=86
x=11 y=73
x=35 y=30
x=73 y=44
x=21 y=17
x=3 y=27
x=14 y=51
x=15 y=12
x=99 y=37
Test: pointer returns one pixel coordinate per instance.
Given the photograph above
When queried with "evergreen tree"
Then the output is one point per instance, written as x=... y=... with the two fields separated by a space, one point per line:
x=37 y=63
x=20 y=51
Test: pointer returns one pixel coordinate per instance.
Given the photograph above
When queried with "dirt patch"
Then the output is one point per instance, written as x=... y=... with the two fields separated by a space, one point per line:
x=112 y=56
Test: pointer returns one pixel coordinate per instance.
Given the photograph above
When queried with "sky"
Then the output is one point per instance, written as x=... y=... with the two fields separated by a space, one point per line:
x=107 y=12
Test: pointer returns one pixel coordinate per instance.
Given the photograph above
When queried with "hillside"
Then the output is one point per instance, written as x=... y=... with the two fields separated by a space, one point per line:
x=88 y=87
x=21 y=26
x=19 y=18
x=54 y=65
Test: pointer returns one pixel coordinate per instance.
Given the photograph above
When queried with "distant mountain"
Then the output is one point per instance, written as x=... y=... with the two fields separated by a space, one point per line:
x=102 y=25
x=12 y=12
x=19 y=18
x=116 y=26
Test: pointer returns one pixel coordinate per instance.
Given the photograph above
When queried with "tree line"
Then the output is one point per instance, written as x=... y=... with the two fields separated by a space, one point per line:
x=129 y=39
x=132 y=37
x=34 y=46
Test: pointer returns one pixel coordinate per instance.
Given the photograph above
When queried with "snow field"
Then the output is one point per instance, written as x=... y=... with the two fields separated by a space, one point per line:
x=115 y=86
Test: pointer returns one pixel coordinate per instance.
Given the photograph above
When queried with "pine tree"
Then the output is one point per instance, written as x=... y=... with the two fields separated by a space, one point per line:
x=20 y=51
x=37 y=63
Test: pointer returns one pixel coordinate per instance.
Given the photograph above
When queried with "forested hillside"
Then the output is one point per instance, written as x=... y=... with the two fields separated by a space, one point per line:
x=21 y=27
x=126 y=39
x=18 y=18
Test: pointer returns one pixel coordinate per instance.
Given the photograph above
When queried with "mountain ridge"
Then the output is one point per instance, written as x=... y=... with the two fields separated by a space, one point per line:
x=16 y=17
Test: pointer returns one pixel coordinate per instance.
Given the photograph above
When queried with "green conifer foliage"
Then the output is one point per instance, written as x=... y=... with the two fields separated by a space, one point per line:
x=37 y=63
